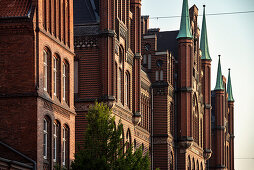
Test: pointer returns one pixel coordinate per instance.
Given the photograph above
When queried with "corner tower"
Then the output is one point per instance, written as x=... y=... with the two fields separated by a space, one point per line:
x=206 y=87
x=219 y=127
x=231 y=102
x=184 y=86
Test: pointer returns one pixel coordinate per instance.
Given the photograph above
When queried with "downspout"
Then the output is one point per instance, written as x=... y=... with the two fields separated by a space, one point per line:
x=152 y=127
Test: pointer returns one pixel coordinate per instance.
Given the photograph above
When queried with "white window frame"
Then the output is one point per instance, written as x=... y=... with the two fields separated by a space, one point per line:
x=64 y=81
x=55 y=142
x=45 y=138
x=126 y=89
x=55 y=75
x=64 y=145
x=45 y=68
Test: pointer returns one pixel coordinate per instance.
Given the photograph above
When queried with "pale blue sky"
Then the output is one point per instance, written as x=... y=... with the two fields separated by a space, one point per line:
x=231 y=36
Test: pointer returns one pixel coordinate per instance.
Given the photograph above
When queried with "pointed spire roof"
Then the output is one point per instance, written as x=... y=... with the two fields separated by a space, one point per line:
x=204 y=40
x=219 y=81
x=229 y=88
x=185 y=29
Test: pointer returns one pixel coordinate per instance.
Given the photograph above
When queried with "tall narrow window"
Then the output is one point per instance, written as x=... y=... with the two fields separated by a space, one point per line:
x=45 y=138
x=127 y=89
x=157 y=75
x=45 y=70
x=161 y=75
x=144 y=59
x=47 y=143
x=149 y=61
x=119 y=85
x=66 y=146
x=54 y=142
x=66 y=82
x=45 y=14
x=55 y=75
x=128 y=139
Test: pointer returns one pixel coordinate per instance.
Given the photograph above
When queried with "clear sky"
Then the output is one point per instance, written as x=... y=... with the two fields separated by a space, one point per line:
x=232 y=37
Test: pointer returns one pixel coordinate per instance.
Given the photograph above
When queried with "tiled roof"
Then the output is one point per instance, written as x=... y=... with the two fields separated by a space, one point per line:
x=167 y=41
x=14 y=8
x=85 y=12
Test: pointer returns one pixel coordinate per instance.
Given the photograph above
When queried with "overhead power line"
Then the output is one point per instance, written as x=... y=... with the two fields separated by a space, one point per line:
x=225 y=13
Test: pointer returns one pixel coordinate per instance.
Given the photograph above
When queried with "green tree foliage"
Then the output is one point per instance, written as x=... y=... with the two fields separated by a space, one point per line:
x=103 y=147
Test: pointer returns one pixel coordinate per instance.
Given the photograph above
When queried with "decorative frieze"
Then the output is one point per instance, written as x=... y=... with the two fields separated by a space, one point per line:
x=85 y=42
x=54 y=108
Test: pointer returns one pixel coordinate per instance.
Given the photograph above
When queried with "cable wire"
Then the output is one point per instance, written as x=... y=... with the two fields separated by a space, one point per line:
x=225 y=13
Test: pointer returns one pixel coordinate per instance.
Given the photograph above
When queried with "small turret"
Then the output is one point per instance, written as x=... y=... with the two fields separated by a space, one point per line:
x=204 y=40
x=185 y=29
x=229 y=88
x=219 y=81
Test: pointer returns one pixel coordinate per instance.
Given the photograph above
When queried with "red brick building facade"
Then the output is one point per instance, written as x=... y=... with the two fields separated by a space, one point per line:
x=37 y=115
x=157 y=83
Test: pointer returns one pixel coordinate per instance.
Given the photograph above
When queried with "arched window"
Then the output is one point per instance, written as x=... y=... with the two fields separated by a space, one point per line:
x=47 y=142
x=66 y=146
x=127 y=89
x=44 y=14
x=143 y=147
x=56 y=142
x=201 y=166
x=47 y=70
x=128 y=139
x=56 y=75
x=149 y=61
x=66 y=81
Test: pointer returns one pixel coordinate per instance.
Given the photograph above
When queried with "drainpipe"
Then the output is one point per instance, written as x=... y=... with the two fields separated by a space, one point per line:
x=152 y=127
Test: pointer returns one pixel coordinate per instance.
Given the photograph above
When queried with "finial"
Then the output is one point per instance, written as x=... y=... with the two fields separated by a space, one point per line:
x=229 y=69
x=229 y=88
x=204 y=39
x=219 y=81
x=185 y=28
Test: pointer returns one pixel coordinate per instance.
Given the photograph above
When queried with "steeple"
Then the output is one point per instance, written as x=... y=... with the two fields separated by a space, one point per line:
x=219 y=81
x=204 y=41
x=229 y=88
x=185 y=29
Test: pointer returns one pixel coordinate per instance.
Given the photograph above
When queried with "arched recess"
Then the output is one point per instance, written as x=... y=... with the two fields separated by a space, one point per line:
x=201 y=166
x=189 y=163
x=128 y=139
x=195 y=118
x=193 y=164
x=197 y=165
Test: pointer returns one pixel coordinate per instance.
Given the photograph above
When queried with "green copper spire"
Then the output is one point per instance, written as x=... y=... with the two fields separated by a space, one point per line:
x=204 y=41
x=229 y=88
x=185 y=29
x=219 y=82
